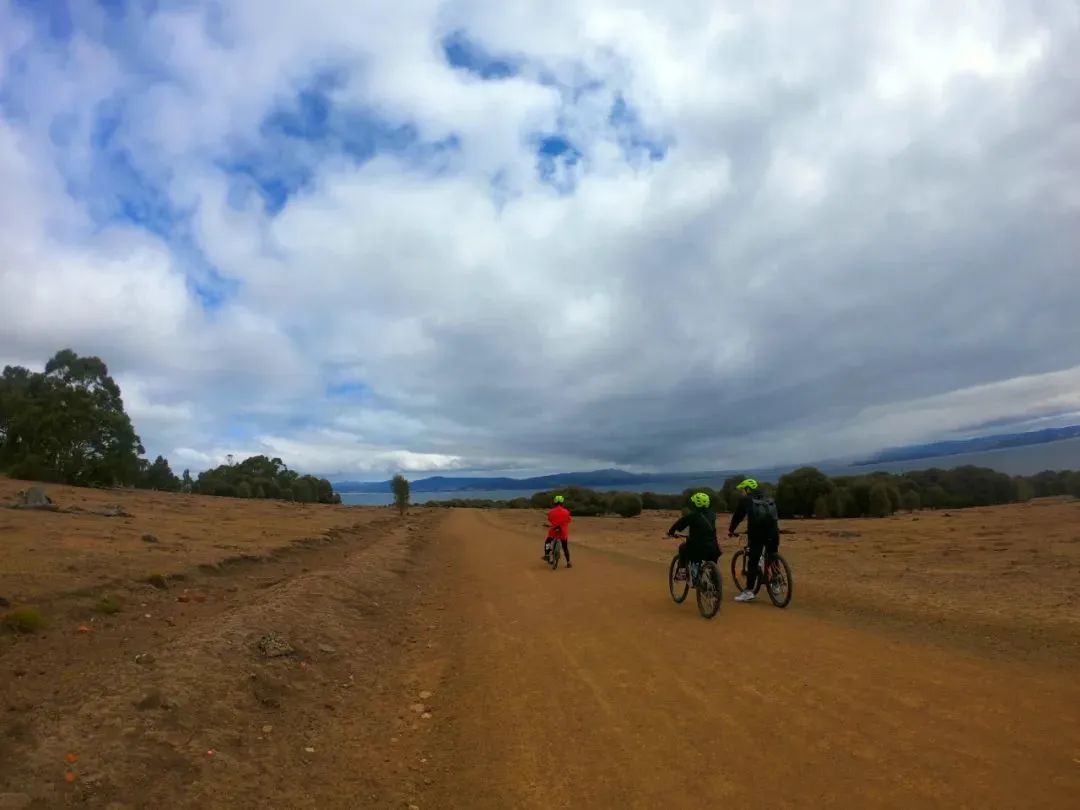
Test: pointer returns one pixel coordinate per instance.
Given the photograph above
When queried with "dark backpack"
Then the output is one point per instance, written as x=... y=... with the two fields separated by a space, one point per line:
x=762 y=516
x=709 y=519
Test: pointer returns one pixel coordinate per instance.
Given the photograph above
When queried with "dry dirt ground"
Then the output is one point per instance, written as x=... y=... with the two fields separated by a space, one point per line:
x=926 y=660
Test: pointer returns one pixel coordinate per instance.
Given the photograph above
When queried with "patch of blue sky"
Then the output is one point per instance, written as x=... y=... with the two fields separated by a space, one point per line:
x=52 y=18
x=636 y=141
x=557 y=162
x=112 y=185
x=463 y=53
x=296 y=137
x=348 y=389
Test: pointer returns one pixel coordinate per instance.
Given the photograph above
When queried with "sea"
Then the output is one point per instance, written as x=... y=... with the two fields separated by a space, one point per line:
x=1026 y=460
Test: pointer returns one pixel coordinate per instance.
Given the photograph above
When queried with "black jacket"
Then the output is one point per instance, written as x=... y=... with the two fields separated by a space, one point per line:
x=702 y=526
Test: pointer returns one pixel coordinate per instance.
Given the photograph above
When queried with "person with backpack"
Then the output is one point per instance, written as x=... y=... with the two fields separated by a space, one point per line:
x=762 y=530
x=558 y=529
x=701 y=542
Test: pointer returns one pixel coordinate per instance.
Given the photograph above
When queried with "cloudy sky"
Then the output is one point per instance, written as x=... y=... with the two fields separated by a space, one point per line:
x=472 y=234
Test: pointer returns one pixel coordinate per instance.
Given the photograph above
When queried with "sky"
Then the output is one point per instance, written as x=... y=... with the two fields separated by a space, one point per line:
x=474 y=235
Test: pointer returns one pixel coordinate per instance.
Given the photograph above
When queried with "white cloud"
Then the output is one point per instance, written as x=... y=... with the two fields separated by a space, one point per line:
x=862 y=227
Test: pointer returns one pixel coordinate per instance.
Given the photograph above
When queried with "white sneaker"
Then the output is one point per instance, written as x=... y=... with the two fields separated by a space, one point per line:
x=745 y=596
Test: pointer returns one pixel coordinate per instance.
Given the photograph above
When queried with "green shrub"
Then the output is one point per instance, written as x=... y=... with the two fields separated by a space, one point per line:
x=107 y=605
x=823 y=506
x=626 y=504
x=400 y=486
x=911 y=501
x=22 y=620
x=880 y=503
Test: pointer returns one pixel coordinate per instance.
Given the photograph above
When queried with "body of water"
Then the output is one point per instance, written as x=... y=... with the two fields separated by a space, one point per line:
x=1028 y=460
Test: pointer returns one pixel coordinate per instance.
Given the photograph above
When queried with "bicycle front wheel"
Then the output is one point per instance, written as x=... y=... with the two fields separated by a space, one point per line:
x=738 y=569
x=710 y=590
x=678 y=588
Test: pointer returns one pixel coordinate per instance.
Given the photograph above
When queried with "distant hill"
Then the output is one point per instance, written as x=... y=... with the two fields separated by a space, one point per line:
x=620 y=478
x=441 y=483
x=979 y=444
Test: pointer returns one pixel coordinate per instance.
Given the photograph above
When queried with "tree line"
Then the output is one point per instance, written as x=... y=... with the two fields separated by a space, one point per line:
x=67 y=425
x=809 y=493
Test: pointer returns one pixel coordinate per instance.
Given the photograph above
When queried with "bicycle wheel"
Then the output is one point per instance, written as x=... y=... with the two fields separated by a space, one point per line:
x=678 y=589
x=738 y=569
x=781 y=585
x=555 y=551
x=710 y=590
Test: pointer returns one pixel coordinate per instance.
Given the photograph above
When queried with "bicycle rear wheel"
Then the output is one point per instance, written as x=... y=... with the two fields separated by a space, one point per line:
x=781 y=585
x=555 y=551
x=678 y=589
x=710 y=590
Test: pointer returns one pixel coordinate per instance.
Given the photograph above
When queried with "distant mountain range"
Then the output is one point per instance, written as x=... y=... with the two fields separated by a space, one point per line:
x=621 y=478
x=440 y=483
x=980 y=444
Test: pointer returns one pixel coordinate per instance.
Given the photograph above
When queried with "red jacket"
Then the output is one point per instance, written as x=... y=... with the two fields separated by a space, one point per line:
x=559 y=517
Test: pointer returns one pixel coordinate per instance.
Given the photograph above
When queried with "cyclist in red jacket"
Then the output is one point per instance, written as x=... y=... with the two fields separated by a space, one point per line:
x=558 y=529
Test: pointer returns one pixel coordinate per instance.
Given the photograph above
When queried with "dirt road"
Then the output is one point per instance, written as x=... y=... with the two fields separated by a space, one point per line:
x=437 y=663
x=591 y=688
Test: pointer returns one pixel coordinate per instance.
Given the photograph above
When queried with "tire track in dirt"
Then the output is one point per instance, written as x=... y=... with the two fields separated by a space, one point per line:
x=591 y=688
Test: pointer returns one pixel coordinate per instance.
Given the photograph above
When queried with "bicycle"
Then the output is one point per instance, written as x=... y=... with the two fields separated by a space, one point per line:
x=775 y=575
x=555 y=550
x=704 y=577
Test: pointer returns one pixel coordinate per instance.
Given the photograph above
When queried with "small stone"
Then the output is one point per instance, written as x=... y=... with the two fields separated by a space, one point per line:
x=267 y=729
x=310 y=750
x=425 y=695
x=273 y=646
x=149 y=538
x=418 y=708
x=326 y=648
x=183 y=598
x=426 y=715
x=152 y=700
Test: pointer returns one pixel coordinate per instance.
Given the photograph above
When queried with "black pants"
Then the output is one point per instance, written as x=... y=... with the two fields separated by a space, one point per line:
x=565 y=547
x=771 y=545
x=697 y=553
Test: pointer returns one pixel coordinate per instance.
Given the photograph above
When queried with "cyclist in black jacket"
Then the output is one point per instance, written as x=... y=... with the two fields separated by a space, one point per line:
x=701 y=543
x=762 y=530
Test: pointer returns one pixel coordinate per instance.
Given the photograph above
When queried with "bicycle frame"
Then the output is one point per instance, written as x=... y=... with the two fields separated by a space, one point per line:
x=693 y=567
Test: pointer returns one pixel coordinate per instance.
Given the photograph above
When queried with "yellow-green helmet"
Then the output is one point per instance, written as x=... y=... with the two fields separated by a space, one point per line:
x=748 y=484
x=559 y=499
x=700 y=500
